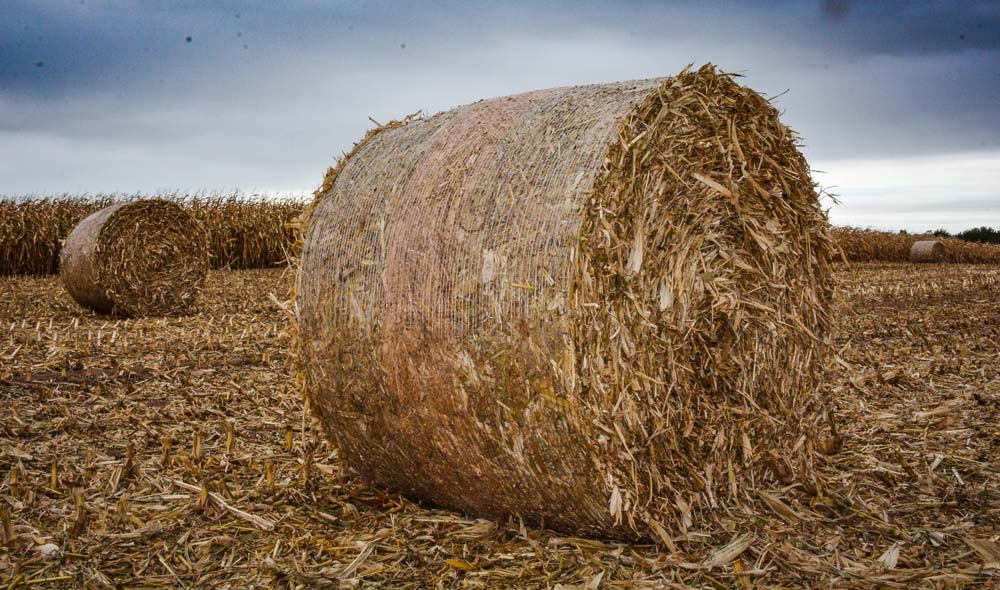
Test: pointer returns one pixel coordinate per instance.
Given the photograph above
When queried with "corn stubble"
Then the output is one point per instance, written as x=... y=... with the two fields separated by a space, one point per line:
x=100 y=486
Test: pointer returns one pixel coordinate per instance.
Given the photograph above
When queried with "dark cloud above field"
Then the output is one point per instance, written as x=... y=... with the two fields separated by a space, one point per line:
x=99 y=95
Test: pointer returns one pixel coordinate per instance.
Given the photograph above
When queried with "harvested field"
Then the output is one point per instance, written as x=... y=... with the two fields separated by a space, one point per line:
x=173 y=452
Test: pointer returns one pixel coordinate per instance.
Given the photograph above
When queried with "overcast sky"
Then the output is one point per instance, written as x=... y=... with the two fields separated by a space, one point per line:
x=898 y=103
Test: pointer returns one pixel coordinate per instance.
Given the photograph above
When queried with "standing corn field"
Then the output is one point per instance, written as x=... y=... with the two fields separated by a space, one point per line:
x=861 y=245
x=247 y=232
x=31 y=231
x=256 y=232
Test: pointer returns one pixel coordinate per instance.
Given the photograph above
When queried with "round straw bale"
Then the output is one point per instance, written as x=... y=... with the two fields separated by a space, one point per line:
x=140 y=257
x=927 y=251
x=602 y=308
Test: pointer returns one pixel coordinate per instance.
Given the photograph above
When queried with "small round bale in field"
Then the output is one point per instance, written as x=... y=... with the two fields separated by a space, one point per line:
x=602 y=308
x=927 y=251
x=144 y=257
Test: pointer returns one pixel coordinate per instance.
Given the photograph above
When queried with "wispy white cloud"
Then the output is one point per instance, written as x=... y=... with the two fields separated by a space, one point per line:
x=952 y=191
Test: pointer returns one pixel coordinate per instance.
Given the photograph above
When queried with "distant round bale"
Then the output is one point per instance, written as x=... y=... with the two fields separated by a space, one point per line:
x=603 y=308
x=927 y=251
x=143 y=257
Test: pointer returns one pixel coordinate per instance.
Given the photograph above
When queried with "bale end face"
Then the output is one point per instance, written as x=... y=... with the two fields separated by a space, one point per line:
x=145 y=257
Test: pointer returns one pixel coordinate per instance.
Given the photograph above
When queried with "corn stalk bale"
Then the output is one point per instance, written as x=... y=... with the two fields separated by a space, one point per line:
x=602 y=308
x=927 y=251
x=136 y=258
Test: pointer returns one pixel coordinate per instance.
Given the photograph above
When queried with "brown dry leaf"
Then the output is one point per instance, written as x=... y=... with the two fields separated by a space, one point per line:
x=712 y=184
x=889 y=559
x=460 y=564
x=780 y=508
x=727 y=554
x=988 y=550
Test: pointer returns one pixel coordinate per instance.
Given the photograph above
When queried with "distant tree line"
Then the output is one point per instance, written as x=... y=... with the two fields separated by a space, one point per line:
x=983 y=235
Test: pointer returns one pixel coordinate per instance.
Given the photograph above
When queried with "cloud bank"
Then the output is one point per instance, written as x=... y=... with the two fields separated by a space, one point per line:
x=113 y=96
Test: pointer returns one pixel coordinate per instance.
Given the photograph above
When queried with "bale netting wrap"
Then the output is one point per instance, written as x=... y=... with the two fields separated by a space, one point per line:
x=144 y=257
x=601 y=308
x=927 y=251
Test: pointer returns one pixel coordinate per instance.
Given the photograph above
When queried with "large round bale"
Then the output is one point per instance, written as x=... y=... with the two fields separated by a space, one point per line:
x=602 y=308
x=927 y=251
x=144 y=257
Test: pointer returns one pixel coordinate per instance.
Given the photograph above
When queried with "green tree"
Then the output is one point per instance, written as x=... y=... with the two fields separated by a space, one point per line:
x=986 y=235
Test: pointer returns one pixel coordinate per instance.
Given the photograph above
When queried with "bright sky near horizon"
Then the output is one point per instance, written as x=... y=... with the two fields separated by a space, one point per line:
x=896 y=102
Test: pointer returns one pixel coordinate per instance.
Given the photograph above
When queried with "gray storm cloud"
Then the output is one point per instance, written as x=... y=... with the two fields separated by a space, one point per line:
x=267 y=96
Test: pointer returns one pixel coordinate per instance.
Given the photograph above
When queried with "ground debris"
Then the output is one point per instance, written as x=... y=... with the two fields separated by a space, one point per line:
x=910 y=497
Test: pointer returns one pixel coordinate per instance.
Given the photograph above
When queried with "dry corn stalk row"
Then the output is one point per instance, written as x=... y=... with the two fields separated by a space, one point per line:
x=862 y=245
x=243 y=231
x=31 y=231
x=140 y=257
x=119 y=436
x=247 y=232
x=604 y=308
